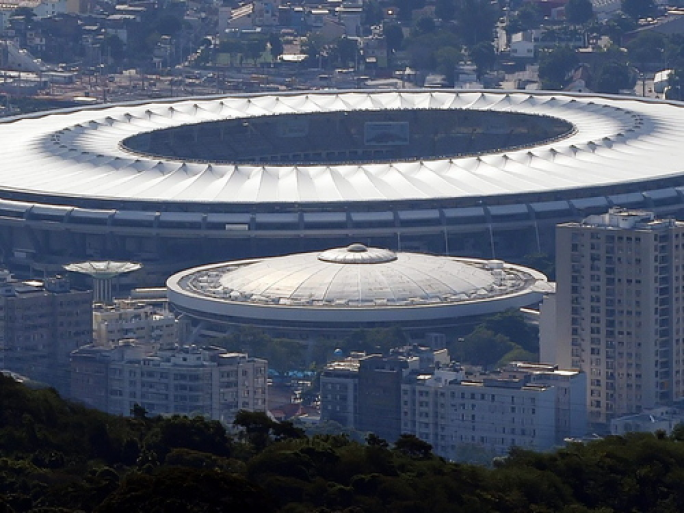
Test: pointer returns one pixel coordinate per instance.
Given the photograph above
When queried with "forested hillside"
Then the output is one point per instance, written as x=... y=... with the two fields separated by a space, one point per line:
x=56 y=456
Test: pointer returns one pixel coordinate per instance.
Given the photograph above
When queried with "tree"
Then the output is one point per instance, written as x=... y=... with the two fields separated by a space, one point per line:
x=375 y=441
x=618 y=26
x=555 y=65
x=648 y=47
x=447 y=59
x=406 y=8
x=372 y=13
x=256 y=427
x=394 y=36
x=169 y=25
x=675 y=85
x=674 y=51
x=511 y=324
x=528 y=17
x=637 y=9
x=276 y=45
x=412 y=446
x=476 y=20
x=313 y=48
x=113 y=47
x=254 y=48
x=189 y=490
x=612 y=77
x=138 y=412
x=424 y=25
x=347 y=51
x=232 y=47
x=483 y=56
x=482 y=347
x=579 y=11
x=445 y=9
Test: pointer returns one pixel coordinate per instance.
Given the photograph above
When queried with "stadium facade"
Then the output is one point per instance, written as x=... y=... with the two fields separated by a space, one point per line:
x=181 y=182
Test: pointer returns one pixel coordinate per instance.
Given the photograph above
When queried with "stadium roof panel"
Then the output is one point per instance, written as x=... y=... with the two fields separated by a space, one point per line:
x=79 y=153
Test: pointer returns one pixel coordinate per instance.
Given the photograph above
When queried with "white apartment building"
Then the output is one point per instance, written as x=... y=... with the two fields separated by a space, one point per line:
x=496 y=411
x=128 y=319
x=571 y=393
x=617 y=310
x=187 y=381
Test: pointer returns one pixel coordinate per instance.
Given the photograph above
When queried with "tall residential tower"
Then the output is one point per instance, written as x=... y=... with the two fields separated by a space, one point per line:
x=618 y=304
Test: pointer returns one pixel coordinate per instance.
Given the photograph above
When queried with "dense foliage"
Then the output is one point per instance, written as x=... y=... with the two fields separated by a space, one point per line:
x=58 y=456
x=497 y=340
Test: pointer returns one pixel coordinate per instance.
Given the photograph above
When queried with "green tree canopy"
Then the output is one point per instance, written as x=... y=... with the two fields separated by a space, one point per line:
x=637 y=9
x=482 y=347
x=275 y=44
x=476 y=20
x=579 y=12
x=483 y=56
x=347 y=51
x=617 y=26
x=612 y=77
x=406 y=8
x=648 y=47
x=424 y=25
x=555 y=65
x=372 y=13
x=394 y=35
x=445 y=9
x=675 y=85
x=528 y=17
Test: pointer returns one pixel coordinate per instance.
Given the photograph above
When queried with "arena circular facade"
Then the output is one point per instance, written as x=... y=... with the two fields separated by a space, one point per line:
x=342 y=289
x=178 y=182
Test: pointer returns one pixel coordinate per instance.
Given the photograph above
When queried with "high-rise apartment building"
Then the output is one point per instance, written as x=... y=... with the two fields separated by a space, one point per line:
x=618 y=306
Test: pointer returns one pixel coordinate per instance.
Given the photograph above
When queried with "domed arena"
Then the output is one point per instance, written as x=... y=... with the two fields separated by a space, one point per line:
x=340 y=290
x=180 y=182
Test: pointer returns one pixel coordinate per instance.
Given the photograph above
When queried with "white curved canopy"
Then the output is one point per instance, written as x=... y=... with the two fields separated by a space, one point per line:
x=78 y=153
x=342 y=277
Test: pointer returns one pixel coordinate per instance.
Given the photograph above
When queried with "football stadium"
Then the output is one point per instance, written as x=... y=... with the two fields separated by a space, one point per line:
x=182 y=182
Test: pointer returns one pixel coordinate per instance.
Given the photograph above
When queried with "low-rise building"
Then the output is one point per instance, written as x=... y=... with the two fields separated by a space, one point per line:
x=495 y=412
x=130 y=319
x=189 y=381
x=650 y=421
x=535 y=406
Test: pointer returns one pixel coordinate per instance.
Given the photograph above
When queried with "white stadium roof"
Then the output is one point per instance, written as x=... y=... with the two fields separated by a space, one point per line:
x=78 y=153
x=367 y=284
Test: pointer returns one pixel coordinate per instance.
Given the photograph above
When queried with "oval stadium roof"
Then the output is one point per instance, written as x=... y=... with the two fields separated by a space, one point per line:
x=78 y=153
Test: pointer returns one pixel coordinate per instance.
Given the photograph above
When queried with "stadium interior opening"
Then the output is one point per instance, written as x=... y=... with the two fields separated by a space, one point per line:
x=356 y=136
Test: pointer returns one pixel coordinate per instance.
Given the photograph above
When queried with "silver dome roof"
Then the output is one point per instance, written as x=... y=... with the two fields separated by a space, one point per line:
x=356 y=276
